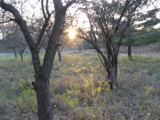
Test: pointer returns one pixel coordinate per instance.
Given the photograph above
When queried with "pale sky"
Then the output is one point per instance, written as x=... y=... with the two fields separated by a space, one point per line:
x=1 y=36
x=33 y=7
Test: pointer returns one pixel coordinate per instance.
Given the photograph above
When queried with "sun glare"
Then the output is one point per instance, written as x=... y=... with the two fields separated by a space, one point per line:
x=72 y=33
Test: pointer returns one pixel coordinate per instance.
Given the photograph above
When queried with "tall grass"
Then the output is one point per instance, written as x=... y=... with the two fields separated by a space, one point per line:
x=79 y=90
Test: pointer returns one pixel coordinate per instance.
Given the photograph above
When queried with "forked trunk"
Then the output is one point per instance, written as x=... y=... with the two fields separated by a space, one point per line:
x=112 y=72
x=113 y=77
x=41 y=84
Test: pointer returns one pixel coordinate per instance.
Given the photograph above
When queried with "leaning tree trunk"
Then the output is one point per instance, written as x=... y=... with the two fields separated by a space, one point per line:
x=21 y=51
x=21 y=54
x=15 y=53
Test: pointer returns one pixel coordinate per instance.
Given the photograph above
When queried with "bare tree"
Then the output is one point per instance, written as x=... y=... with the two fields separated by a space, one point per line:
x=14 y=40
x=42 y=72
x=108 y=23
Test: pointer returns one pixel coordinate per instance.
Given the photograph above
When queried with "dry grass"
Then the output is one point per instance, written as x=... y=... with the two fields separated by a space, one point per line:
x=79 y=90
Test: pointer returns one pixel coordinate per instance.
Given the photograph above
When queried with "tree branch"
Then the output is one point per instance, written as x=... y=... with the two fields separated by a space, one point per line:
x=20 y=21
x=46 y=22
x=43 y=11
x=58 y=5
x=96 y=48
x=121 y=16
x=23 y=26
x=69 y=4
x=43 y=30
x=47 y=10
x=7 y=21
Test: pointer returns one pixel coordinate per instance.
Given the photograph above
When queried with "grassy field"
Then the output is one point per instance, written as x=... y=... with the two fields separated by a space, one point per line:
x=79 y=90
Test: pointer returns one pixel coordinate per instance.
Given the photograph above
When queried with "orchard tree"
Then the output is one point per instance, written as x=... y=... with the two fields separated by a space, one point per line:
x=42 y=71
x=14 y=40
x=67 y=39
x=109 y=21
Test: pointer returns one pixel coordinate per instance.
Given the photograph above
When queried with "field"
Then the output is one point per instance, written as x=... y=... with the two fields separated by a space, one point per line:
x=79 y=90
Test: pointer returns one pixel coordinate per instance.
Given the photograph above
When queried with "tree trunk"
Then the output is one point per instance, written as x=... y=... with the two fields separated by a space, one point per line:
x=129 y=51
x=113 y=77
x=21 y=51
x=42 y=72
x=59 y=55
x=112 y=71
x=115 y=63
x=15 y=53
x=21 y=54
x=42 y=89
x=79 y=49
x=41 y=84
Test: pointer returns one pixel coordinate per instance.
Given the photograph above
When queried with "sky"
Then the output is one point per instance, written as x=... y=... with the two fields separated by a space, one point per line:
x=33 y=7
x=1 y=36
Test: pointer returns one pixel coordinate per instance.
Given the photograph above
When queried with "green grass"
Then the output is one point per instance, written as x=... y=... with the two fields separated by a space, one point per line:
x=79 y=90
x=3 y=57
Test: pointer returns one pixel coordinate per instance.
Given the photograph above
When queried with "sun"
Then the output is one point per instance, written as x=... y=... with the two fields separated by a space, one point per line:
x=71 y=33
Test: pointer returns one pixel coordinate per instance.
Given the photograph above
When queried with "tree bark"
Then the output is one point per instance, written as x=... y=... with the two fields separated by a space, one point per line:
x=42 y=72
x=59 y=55
x=21 y=51
x=129 y=51
x=41 y=84
x=115 y=65
x=43 y=94
x=15 y=53
x=112 y=70
x=21 y=54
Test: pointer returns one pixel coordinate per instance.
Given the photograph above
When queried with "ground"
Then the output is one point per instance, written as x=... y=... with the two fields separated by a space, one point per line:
x=79 y=90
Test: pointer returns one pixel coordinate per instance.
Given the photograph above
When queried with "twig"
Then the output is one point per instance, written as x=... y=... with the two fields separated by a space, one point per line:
x=7 y=21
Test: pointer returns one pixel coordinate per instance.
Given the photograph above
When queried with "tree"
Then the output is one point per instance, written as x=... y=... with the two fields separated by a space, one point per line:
x=135 y=37
x=130 y=38
x=14 y=40
x=108 y=23
x=147 y=34
x=42 y=72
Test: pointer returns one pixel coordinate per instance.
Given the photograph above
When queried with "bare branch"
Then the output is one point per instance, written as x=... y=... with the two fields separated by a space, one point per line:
x=121 y=16
x=47 y=18
x=47 y=10
x=69 y=4
x=102 y=61
x=58 y=5
x=91 y=26
x=20 y=21
x=43 y=11
x=7 y=21
x=43 y=30
x=95 y=47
